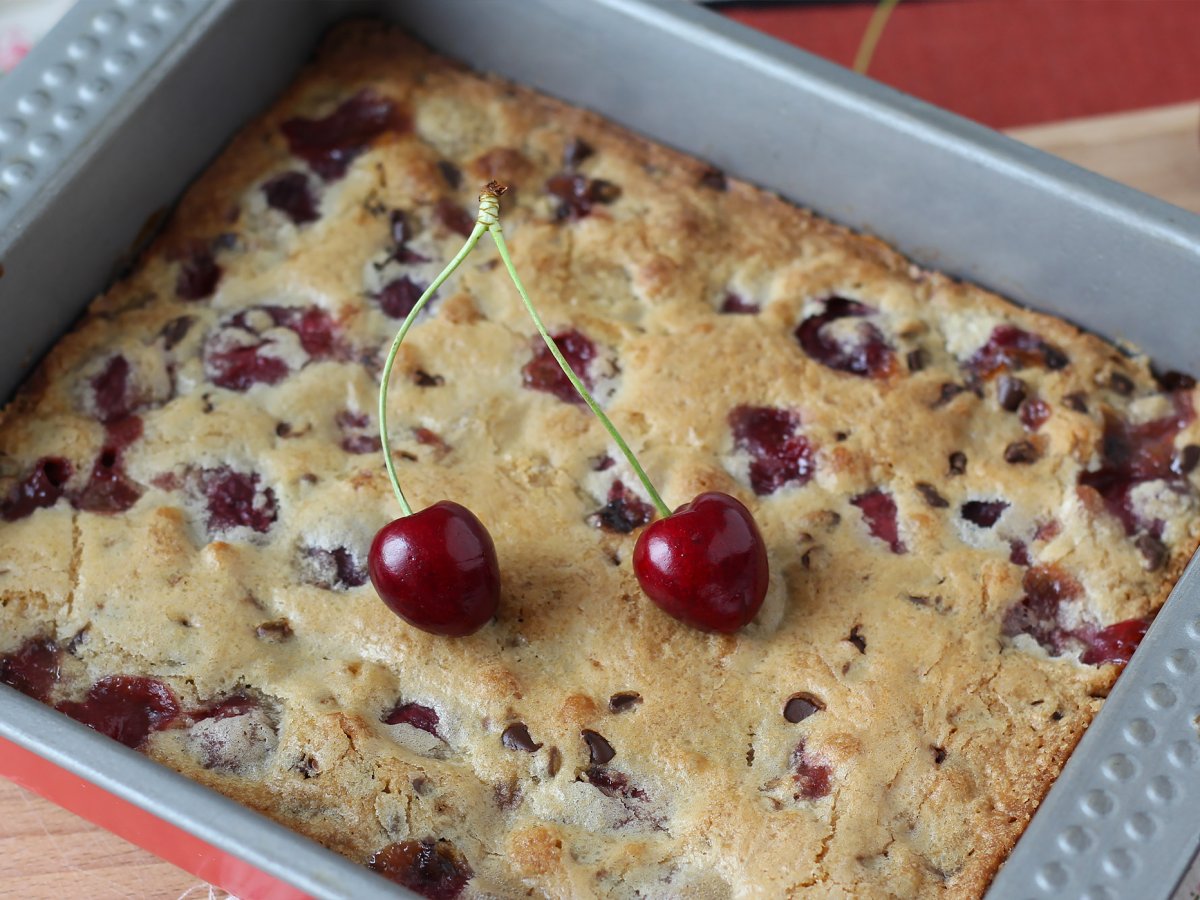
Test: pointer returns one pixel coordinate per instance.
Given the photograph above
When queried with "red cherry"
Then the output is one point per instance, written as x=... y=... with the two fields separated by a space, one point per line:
x=437 y=570
x=706 y=564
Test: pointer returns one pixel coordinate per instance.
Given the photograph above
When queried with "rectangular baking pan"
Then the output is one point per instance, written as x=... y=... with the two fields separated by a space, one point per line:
x=111 y=116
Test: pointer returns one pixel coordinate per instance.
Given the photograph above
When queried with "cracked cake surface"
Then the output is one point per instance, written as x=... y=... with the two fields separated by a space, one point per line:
x=972 y=511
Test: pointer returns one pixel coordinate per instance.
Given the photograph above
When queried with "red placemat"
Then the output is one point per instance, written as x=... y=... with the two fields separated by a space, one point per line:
x=1011 y=62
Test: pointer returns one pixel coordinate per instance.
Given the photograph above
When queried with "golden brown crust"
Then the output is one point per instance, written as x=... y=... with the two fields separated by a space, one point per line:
x=939 y=733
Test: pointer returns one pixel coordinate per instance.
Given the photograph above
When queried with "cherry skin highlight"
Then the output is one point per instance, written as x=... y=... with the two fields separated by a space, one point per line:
x=706 y=564
x=437 y=570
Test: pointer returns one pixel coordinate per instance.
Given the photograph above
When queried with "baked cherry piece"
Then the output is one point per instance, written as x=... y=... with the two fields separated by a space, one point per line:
x=578 y=195
x=1010 y=348
x=238 y=355
x=127 y=708
x=399 y=296
x=330 y=144
x=433 y=869
x=453 y=217
x=40 y=489
x=290 y=194
x=355 y=437
x=235 y=499
x=1046 y=614
x=879 y=512
x=812 y=775
x=623 y=512
x=111 y=393
x=109 y=489
x=706 y=564
x=1134 y=454
x=423 y=717
x=333 y=568
x=198 y=273
x=778 y=454
x=1114 y=644
x=437 y=569
x=32 y=668
x=543 y=373
x=735 y=304
x=868 y=355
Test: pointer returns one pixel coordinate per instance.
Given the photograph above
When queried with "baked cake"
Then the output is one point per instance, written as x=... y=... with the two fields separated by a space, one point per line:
x=972 y=510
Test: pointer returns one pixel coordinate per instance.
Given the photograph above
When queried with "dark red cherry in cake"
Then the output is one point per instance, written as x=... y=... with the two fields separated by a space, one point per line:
x=437 y=570
x=705 y=564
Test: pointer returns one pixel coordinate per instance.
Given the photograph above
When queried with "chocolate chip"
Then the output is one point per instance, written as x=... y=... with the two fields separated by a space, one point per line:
x=624 y=701
x=604 y=191
x=1054 y=358
x=423 y=379
x=800 y=706
x=1020 y=453
x=1154 y=551
x=948 y=392
x=1186 y=460
x=275 y=632
x=1174 y=381
x=1076 y=401
x=176 y=330
x=984 y=513
x=601 y=750
x=840 y=436
x=450 y=173
x=283 y=429
x=79 y=640
x=939 y=755
x=916 y=360
x=857 y=639
x=576 y=151
x=1010 y=392
x=516 y=737
x=932 y=497
x=1122 y=384
x=714 y=179
x=958 y=463
x=555 y=761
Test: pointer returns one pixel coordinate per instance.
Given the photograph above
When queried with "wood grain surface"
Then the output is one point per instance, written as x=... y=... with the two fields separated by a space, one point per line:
x=47 y=853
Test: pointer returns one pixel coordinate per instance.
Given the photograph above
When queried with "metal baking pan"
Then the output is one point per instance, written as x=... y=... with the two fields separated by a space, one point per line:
x=94 y=142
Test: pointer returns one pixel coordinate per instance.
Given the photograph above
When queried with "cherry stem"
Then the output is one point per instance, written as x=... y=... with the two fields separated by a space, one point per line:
x=467 y=247
x=497 y=234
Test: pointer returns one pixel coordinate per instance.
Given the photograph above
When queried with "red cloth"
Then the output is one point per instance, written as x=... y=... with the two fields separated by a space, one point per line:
x=1012 y=62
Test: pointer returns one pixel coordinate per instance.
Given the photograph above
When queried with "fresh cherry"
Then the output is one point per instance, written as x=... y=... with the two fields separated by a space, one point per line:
x=706 y=564
x=437 y=569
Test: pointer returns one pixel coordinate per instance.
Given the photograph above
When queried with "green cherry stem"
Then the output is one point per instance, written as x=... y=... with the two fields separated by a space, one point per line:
x=467 y=247
x=492 y=193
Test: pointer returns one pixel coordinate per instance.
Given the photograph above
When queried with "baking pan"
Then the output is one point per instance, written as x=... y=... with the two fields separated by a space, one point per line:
x=124 y=103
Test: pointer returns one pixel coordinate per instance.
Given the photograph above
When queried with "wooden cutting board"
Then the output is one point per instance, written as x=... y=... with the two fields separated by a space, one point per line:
x=47 y=853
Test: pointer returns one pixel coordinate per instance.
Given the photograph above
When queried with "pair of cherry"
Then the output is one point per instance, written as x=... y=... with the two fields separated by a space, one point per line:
x=705 y=563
